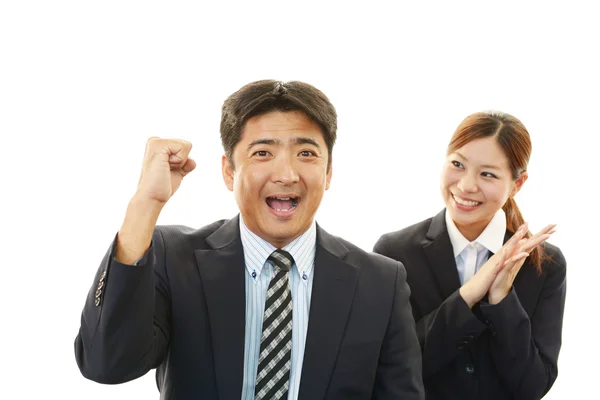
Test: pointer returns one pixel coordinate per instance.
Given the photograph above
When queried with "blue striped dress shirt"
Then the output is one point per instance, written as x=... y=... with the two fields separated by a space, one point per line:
x=258 y=277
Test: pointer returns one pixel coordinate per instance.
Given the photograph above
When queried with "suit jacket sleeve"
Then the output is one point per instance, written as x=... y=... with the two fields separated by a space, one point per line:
x=127 y=333
x=399 y=372
x=525 y=351
x=444 y=331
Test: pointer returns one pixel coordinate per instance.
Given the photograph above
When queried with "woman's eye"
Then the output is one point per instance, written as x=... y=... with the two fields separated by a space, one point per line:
x=457 y=164
x=488 y=175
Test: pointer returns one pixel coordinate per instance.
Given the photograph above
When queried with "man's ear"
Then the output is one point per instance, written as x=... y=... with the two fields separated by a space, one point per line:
x=519 y=183
x=328 y=177
x=227 y=170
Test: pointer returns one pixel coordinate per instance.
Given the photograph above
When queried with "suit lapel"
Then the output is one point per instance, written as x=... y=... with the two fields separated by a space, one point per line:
x=222 y=273
x=440 y=255
x=334 y=283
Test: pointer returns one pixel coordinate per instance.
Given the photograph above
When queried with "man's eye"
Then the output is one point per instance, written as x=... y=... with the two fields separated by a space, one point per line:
x=307 y=153
x=261 y=153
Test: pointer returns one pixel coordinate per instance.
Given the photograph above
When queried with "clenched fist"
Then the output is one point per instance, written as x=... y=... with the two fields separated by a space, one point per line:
x=166 y=162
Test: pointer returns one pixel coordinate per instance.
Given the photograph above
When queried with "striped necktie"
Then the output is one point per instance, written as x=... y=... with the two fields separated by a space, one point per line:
x=273 y=375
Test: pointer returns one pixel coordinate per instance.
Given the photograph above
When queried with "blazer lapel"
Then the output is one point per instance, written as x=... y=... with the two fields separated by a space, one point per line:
x=222 y=273
x=439 y=253
x=334 y=283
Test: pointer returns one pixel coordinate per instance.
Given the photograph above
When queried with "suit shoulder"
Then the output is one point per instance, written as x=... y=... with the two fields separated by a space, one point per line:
x=368 y=260
x=555 y=261
x=404 y=238
x=174 y=234
x=555 y=253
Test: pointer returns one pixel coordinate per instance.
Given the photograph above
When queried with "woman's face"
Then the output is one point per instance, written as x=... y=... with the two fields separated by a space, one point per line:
x=476 y=181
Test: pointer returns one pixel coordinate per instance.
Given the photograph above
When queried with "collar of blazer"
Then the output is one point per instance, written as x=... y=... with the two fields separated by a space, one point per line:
x=222 y=274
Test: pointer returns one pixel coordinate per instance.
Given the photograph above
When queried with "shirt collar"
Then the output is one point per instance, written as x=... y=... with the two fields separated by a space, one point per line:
x=492 y=237
x=257 y=250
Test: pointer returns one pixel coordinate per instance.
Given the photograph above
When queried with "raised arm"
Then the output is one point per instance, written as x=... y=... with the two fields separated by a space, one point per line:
x=125 y=323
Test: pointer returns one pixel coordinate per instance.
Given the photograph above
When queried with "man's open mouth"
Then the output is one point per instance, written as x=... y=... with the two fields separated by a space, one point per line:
x=282 y=204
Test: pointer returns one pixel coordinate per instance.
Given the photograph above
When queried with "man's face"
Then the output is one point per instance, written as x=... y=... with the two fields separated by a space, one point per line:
x=280 y=174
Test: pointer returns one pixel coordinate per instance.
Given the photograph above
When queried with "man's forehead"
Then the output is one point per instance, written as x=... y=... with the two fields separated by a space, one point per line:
x=281 y=121
x=283 y=131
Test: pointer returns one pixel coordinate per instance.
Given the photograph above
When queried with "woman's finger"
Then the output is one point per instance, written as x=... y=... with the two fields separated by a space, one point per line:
x=548 y=229
x=534 y=242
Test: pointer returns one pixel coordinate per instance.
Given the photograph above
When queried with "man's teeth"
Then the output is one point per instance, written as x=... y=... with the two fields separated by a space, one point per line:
x=465 y=202
x=286 y=209
x=294 y=204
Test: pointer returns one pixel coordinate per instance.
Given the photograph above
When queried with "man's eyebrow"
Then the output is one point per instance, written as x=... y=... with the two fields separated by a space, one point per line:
x=295 y=140
x=306 y=140
x=263 y=141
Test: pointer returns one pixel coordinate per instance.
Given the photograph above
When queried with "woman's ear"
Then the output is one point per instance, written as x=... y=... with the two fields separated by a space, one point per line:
x=519 y=183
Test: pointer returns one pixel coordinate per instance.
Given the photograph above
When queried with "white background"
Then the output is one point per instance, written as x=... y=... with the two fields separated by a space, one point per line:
x=83 y=85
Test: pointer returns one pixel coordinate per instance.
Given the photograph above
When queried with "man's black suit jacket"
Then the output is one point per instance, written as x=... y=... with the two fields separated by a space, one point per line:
x=181 y=310
x=504 y=351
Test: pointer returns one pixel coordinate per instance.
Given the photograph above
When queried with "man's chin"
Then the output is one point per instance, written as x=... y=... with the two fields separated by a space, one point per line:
x=279 y=235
